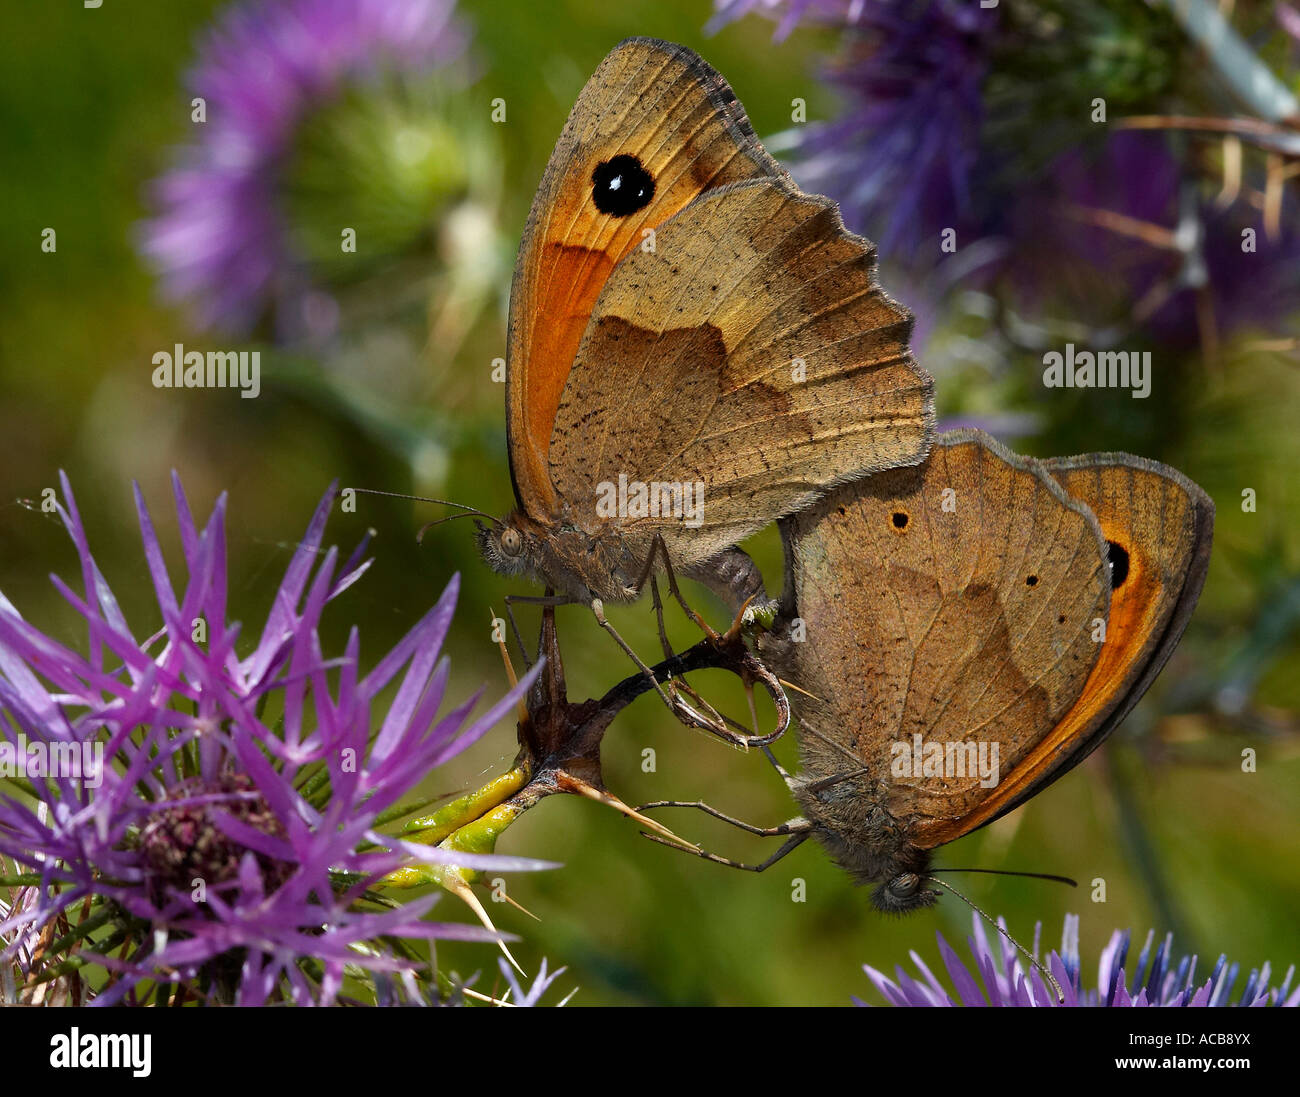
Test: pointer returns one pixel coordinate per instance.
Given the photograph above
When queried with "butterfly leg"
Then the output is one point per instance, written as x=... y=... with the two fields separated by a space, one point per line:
x=658 y=604
x=714 y=722
x=732 y=575
x=795 y=831
x=794 y=826
x=659 y=548
x=531 y=600
x=781 y=771
x=681 y=683
x=789 y=846
x=675 y=704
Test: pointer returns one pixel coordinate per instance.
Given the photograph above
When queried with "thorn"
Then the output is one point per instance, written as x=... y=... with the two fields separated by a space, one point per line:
x=601 y=796
x=734 y=631
x=456 y=884
x=519 y=906
x=511 y=677
x=797 y=689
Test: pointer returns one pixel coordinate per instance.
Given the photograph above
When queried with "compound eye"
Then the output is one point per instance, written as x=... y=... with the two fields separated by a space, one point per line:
x=904 y=885
x=511 y=542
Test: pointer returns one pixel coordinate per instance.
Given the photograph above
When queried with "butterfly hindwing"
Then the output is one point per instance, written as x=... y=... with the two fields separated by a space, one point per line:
x=958 y=601
x=1158 y=527
x=750 y=352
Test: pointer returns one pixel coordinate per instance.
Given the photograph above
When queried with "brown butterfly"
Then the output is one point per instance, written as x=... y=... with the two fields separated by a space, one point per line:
x=696 y=347
x=979 y=607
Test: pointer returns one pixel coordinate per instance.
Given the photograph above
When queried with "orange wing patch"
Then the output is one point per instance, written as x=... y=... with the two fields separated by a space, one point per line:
x=551 y=358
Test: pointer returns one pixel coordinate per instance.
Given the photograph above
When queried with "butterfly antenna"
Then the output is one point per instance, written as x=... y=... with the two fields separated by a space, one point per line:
x=1009 y=872
x=468 y=511
x=1060 y=994
x=419 y=537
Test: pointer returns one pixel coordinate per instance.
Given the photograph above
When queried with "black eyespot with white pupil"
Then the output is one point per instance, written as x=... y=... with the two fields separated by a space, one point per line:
x=1118 y=558
x=620 y=186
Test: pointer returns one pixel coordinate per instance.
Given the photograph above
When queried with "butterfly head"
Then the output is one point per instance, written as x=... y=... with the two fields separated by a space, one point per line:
x=573 y=562
x=509 y=545
x=898 y=869
x=881 y=856
x=904 y=892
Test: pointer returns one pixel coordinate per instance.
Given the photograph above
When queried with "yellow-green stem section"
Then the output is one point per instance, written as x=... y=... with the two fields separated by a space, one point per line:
x=478 y=836
x=432 y=829
x=469 y=824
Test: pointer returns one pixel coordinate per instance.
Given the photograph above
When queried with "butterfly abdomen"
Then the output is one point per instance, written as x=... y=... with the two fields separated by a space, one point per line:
x=851 y=821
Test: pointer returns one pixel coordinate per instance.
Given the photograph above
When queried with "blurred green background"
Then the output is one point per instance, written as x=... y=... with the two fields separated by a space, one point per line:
x=402 y=400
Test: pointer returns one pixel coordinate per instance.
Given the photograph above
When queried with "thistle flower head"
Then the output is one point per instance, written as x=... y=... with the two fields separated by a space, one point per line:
x=1145 y=245
x=788 y=13
x=1160 y=977
x=219 y=239
x=205 y=810
x=900 y=154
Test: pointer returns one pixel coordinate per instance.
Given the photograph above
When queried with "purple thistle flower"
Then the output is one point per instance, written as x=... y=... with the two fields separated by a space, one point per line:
x=914 y=150
x=410 y=992
x=1288 y=18
x=1141 y=241
x=541 y=984
x=218 y=240
x=822 y=11
x=220 y=811
x=900 y=156
x=1159 y=979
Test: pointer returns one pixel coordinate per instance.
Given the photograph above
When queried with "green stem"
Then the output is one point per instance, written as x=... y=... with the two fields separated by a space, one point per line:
x=432 y=829
x=400 y=811
x=83 y=929
x=80 y=960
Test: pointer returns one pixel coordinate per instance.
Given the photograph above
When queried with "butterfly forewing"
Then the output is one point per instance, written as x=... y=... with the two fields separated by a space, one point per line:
x=653 y=129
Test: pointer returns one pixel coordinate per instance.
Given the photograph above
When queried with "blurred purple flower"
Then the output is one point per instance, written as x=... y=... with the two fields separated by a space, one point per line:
x=228 y=829
x=1159 y=979
x=1288 y=18
x=822 y=11
x=218 y=240
x=1120 y=228
x=900 y=156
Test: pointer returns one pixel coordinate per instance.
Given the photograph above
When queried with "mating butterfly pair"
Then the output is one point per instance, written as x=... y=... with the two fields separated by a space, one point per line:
x=682 y=314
